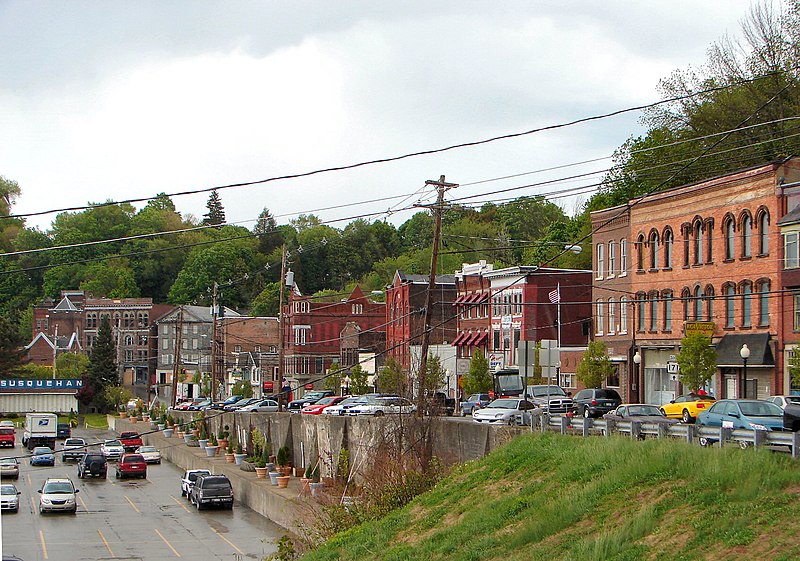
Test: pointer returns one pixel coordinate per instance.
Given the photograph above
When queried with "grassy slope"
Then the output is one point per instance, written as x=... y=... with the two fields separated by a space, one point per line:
x=553 y=497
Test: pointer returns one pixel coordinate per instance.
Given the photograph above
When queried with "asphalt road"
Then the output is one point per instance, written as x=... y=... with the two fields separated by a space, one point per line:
x=128 y=519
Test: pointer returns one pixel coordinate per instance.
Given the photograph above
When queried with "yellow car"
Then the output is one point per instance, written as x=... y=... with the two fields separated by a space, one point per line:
x=687 y=407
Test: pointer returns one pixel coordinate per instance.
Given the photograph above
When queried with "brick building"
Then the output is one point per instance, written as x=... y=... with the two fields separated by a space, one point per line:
x=705 y=256
x=250 y=351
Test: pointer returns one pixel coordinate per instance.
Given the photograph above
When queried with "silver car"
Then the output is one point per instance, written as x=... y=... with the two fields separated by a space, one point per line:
x=9 y=468
x=9 y=497
x=503 y=411
x=58 y=494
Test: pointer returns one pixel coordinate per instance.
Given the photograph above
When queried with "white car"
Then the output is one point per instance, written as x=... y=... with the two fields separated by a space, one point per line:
x=342 y=407
x=57 y=493
x=150 y=454
x=263 y=406
x=189 y=478
x=782 y=400
x=503 y=411
x=380 y=406
x=73 y=449
x=9 y=497
x=112 y=449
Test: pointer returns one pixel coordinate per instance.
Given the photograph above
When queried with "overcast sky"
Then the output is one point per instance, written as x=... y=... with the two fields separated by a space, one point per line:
x=118 y=100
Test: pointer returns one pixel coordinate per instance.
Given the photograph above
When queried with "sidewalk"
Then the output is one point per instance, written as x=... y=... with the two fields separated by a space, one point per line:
x=286 y=507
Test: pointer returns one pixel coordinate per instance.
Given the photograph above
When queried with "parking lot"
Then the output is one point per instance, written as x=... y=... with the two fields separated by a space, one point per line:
x=127 y=519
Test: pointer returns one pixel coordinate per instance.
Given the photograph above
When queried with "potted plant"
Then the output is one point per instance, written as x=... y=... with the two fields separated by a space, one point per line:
x=239 y=455
x=261 y=466
x=283 y=460
x=203 y=439
x=315 y=486
x=212 y=446
x=306 y=479
x=229 y=452
x=283 y=481
x=223 y=436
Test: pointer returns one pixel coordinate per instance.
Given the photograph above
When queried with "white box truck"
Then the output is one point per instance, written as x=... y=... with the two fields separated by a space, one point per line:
x=40 y=430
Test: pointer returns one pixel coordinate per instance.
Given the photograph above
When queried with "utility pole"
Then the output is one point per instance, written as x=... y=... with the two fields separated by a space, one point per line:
x=55 y=351
x=176 y=368
x=213 y=341
x=442 y=186
x=281 y=351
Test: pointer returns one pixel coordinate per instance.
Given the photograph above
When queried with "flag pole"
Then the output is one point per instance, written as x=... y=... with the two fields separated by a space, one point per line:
x=558 y=366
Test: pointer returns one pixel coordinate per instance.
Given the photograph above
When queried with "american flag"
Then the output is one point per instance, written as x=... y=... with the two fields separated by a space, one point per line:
x=555 y=295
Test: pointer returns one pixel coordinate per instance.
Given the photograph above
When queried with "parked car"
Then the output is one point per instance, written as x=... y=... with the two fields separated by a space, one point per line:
x=639 y=412
x=503 y=411
x=57 y=494
x=211 y=490
x=318 y=407
x=222 y=404
x=242 y=403
x=551 y=398
x=184 y=405
x=791 y=416
x=9 y=497
x=93 y=464
x=43 y=456
x=687 y=407
x=131 y=465
x=63 y=430
x=112 y=449
x=73 y=449
x=130 y=440
x=9 y=468
x=188 y=479
x=263 y=406
x=783 y=400
x=342 y=407
x=7 y=437
x=199 y=405
x=7 y=423
x=380 y=406
x=594 y=402
x=473 y=402
x=295 y=406
x=750 y=414
x=150 y=454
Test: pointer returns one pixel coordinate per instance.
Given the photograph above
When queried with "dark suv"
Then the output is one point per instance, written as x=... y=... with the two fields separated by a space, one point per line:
x=595 y=402
x=211 y=490
x=92 y=464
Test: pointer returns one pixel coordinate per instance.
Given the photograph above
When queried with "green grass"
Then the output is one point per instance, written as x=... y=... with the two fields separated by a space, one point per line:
x=545 y=497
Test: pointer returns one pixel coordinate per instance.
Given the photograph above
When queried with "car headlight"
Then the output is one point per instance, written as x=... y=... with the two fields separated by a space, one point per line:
x=498 y=415
x=45 y=501
x=756 y=426
x=70 y=501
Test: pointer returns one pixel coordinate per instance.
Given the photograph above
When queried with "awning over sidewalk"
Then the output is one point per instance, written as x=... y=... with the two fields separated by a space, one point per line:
x=760 y=352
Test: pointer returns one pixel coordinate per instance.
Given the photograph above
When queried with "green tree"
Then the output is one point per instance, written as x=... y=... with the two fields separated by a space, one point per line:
x=477 y=379
x=794 y=368
x=243 y=388
x=102 y=371
x=697 y=361
x=434 y=374
x=269 y=236
x=11 y=351
x=266 y=304
x=392 y=378
x=110 y=279
x=216 y=213
x=116 y=397
x=333 y=381
x=595 y=366
x=358 y=380
x=72 y=365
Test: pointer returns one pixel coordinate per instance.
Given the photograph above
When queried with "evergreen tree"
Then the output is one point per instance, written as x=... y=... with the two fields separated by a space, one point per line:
x=102 y=364
x=478 y=379
x=269 y=236
x=216 y=213
x=11 y=351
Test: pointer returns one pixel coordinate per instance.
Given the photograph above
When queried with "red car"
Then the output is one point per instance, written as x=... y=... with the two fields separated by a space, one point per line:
x=318 y=407
x=131 y=465
x=7 y=436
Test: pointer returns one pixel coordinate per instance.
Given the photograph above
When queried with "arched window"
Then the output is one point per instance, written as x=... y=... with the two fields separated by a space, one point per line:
x=623 y=314
x=667 y=298
x=612 y=258
x=687 y=235
x=640 y=253
x=623 y=257
x=763 y=233
x=654 y=311
x=601 y=260
x=641 y=309
x=747 y=304
x=763 y=303
x=128 y=340
x=600 y=317
x=730 y=304
x=668 y=240
x=747 y=236
x=686 y=297
x=698 y=303
x=612 y=316
x=730 y=237
x=653 y=250
x=709 y=234
x=698 y=242
x=709 y=294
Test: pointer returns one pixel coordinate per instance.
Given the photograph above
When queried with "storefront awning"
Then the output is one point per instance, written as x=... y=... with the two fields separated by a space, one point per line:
x=459 y=299
x=479 y=339
x=459 y=340
x=760 y=351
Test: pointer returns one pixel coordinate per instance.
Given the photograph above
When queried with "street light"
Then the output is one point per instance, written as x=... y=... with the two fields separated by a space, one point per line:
x=637 y=360
x=346 y=385
x=744 y=352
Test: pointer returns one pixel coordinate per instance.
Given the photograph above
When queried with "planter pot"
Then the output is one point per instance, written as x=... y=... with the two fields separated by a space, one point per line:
x=304 y=485
x=273 y=476
x=261 y=473
x=285 y=470
x=283 y=481
x=167 y=433
x=223 y=443
x=196 y=432
x=123 y=415
x=188 y=438
x=203 y=442
x=229 y=458
x=161 y=426
x=211 y=450
x=271 y=466
x=134 y=420
x=153 y=425
x=316 y=489
x=239 y=458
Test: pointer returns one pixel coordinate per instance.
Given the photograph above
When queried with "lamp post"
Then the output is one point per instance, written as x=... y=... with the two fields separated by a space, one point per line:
x=346 y=385
x=637 y=360
x=744 y=352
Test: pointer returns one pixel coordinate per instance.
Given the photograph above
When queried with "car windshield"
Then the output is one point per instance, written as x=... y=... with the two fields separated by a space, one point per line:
x=94 y=458
x=607 y=394
x=41 y=450
x=217 y=483
x=325 y=401
x=544 y=391
x=8 y=461
x=74 y=442
x=638 y=410
x=132 y=458
x=353 y=400
x=113 y=443
x=57 y=487
x=760 y=409
x=503 y=404
x=147 y=448
x=193 y=475
x=792 y=398
x=8 y=490
x=4 y=430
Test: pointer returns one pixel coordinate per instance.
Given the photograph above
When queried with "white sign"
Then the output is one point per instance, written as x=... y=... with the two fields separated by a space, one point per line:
x=505 y=321
x=495 y=361
x=673 y=368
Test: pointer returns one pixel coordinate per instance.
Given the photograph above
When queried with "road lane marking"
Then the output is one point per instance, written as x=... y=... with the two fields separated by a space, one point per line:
x=83 y=504
x=169 y=545
x=133 y=506
x=227 y=541
x=44 y=546
x=105 y=542
x=33 y=504
x=180 y=503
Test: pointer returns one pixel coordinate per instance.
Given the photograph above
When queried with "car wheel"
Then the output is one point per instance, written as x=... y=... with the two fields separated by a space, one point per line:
x=463 y=412
x=117 y=475
x=663 y=412
x=510 y=421
x=687 y=418
x=183 y=493
x=704 y=441
x=744 y=445
x=379 y=413
x=586 y=413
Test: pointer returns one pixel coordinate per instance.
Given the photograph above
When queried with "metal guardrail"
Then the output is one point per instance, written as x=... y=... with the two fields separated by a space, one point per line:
x=705 y=436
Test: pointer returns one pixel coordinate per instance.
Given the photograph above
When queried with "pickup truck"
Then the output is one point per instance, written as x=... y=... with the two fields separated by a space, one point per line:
x=74 y=449
x=130 y=440
x=440 y=404
x=7 y=436
x=188 y=479
x=211 y=490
